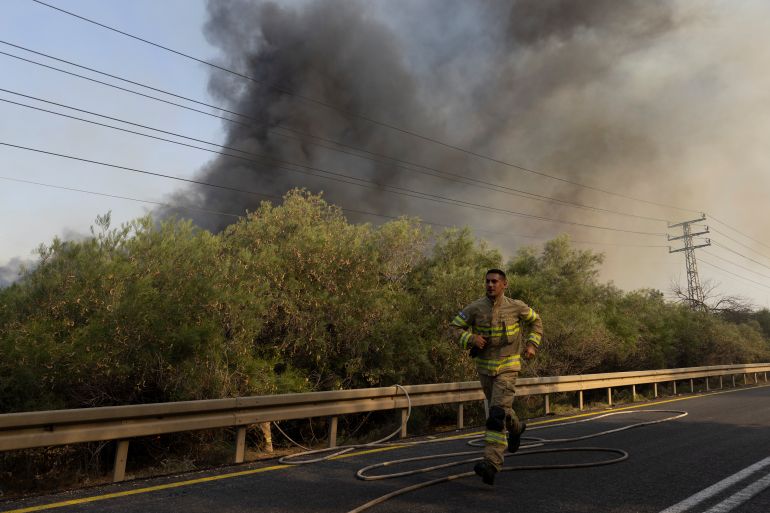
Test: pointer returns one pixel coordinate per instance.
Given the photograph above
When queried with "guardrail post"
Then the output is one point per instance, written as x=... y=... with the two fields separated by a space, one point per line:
x=655 y=390
x=633 y=393
x=547 y=404
x=580 y=400
x=609 y=396
x=460 y=416
x=265 y=427
x=332 y=432
x=733 y=380
x=756 y=380
x=765 y=377
x=745 y=379
x=240 y=444
x=707 y=384
x=121 y=455
x=674 y=382
x=692 y=386
x=403 y=422
x=721 y=385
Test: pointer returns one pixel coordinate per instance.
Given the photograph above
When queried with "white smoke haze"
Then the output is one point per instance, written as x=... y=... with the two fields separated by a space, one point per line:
x=662 y=100
x=11 y=271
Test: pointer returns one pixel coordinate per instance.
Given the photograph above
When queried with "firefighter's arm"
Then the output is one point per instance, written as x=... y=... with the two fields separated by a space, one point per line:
x=462 y=332
x=532 y=319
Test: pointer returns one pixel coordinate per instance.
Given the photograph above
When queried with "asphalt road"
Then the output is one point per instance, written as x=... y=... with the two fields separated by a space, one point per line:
x=716 y=459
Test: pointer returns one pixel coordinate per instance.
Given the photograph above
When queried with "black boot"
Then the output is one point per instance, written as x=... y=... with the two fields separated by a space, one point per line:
x=486 y=471
x=514 y=437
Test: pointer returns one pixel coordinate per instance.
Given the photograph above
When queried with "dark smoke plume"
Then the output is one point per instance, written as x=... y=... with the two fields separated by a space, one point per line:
x=482 y=87
x=329 y=51
x=620 y=95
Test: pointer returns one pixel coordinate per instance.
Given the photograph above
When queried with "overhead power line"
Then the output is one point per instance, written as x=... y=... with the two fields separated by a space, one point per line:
x=403 y=189
x=399 y=163
x=196 y=209
x=271 y=196
x=364 y=117
x=132 y=169
x=325 y=174
x=360 y=182
x=736 y=265
x=158 y=203
x=162 y=175
x=733 y=274
x=740 y=254
x=738 y=242
x=739 y=232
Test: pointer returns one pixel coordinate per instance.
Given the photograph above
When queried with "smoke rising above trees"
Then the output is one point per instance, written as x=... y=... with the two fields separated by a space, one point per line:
x=481 y=92
x=632 y=97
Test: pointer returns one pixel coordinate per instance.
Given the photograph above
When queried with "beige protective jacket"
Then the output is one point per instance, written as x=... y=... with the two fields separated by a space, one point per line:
x=501 y=324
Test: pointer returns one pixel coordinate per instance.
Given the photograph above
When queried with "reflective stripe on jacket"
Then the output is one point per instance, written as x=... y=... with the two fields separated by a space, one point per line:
x=501 y=324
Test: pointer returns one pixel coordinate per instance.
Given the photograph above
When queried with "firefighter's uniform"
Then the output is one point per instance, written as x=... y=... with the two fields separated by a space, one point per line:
x=499 y=362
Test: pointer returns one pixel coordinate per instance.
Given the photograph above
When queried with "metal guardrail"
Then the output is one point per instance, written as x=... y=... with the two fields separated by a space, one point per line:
x=59 y=427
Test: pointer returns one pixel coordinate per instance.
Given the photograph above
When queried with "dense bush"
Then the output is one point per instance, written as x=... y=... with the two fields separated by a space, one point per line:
x=293 y=297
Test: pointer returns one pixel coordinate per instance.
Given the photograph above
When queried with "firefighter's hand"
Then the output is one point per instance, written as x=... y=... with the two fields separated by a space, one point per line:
x=529 y=353
x=479 y=341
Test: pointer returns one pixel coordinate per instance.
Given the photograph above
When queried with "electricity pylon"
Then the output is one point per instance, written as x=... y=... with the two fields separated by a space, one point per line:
x=695 y=294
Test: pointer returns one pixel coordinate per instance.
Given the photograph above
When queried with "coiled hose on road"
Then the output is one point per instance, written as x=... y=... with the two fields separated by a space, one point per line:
x=476 y=441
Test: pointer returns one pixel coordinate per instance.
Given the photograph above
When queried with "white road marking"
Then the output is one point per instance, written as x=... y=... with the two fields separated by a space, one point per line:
x=741 y=496
x=717 y=488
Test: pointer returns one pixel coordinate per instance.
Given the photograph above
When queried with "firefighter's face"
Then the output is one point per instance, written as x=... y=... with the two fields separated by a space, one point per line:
x=495 y=285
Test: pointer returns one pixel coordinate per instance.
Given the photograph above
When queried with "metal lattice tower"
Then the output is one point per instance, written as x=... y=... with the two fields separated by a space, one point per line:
x=695 y=294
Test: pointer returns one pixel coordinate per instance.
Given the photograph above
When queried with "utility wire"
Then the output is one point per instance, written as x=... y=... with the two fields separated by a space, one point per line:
x=732 y=273
x=399 y=163
x=335 y=176
x=376 y=186
x=198 y=209
x=738 y=231
x=132 y=169
x=91 y=79
x=280 y=161
x=171 y=177
x=737 y=242
x=736 y=265
x=198 y=182
x=41 y=184
x=257 y=155
x=739 y=254
x=271 y=196
x=362 y=116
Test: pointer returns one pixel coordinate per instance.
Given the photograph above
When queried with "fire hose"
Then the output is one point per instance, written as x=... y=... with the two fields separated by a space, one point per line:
x=618 y=455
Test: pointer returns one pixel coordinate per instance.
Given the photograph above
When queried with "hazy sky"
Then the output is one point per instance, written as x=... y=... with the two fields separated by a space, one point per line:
x=33 y=214
x=663 y=101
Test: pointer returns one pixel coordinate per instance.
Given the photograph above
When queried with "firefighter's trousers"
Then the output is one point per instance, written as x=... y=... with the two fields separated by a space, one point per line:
x=499 y=391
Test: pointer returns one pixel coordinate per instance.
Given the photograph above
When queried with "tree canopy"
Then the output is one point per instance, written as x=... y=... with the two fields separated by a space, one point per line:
x=294 y=297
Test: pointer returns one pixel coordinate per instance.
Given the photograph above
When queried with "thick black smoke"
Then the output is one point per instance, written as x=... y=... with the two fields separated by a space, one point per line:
x=481 y=75
x=332 y=52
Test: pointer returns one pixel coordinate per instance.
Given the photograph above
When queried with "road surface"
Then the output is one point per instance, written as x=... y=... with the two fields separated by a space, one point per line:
x=716 y=459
